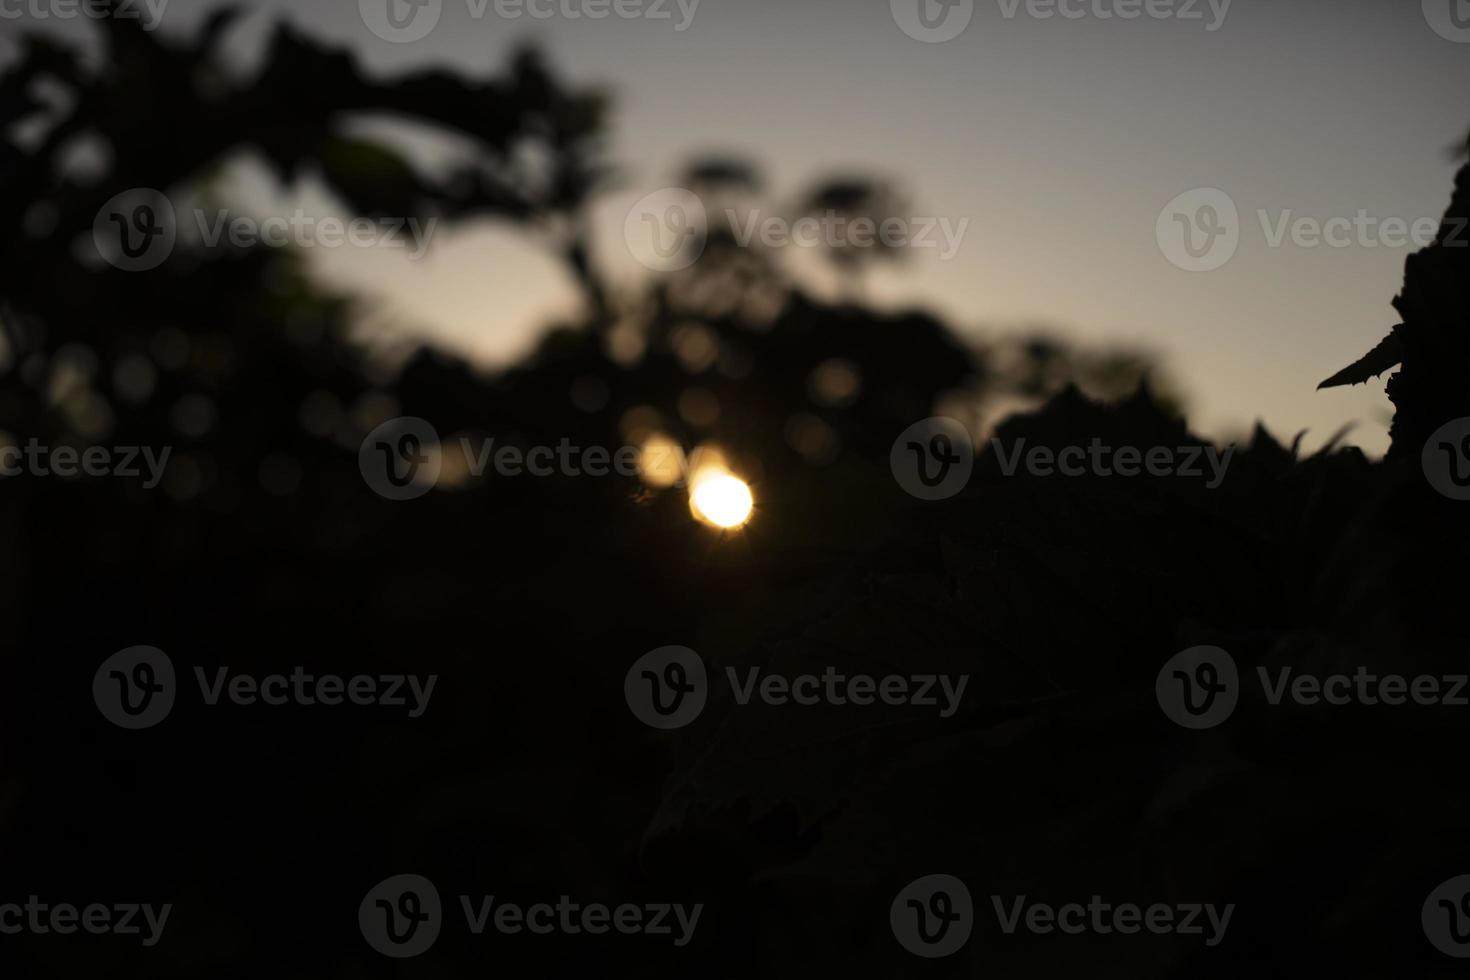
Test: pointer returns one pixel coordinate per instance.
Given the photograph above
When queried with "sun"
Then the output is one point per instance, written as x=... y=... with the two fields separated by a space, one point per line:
x=721 y=500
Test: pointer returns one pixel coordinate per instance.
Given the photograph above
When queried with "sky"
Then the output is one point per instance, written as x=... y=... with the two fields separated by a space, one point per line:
x=1077 y=142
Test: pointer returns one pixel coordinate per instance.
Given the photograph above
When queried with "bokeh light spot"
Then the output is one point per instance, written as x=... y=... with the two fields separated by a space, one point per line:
x=721 y=500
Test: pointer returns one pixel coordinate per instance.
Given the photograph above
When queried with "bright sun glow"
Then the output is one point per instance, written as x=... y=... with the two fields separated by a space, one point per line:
x=721 y=500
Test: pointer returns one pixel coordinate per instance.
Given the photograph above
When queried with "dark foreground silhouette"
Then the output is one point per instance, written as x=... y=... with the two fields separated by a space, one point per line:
x=1058 y=777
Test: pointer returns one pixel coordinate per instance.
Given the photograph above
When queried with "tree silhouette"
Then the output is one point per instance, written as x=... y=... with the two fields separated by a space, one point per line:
x=1431 y=347
x=849 y=199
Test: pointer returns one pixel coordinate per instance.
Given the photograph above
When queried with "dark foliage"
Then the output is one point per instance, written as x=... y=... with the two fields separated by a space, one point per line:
x=1058 y=779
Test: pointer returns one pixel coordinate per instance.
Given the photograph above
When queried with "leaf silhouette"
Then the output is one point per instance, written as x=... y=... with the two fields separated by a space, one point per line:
x=1386 y=356
x=372 y=178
